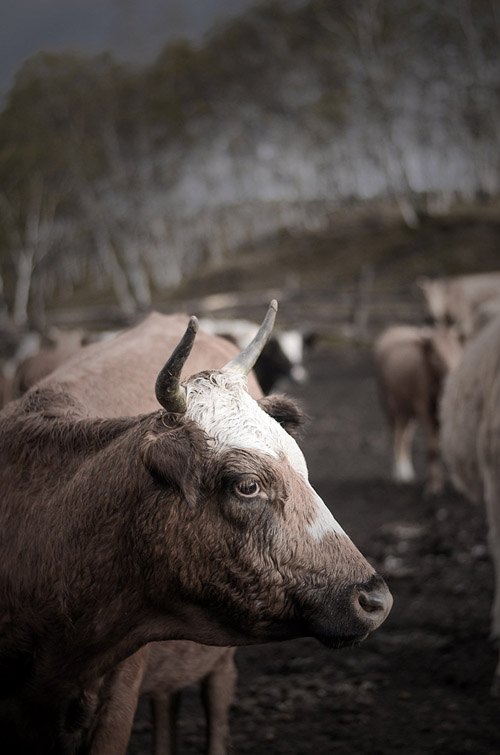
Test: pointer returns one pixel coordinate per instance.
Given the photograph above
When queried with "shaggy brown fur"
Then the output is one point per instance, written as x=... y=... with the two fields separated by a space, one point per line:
x=117 y=531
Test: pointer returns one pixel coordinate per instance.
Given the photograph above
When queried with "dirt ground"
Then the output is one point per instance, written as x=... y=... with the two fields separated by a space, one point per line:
x=420 y=684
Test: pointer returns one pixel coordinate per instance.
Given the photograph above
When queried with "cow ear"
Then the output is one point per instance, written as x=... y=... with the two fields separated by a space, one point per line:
x=285 y=411
x=174 y=457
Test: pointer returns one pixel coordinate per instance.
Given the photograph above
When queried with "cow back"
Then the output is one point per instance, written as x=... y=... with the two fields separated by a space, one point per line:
x=116 y=377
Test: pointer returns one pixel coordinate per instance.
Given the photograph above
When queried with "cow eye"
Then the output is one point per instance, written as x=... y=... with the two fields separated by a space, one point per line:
x=247 y=488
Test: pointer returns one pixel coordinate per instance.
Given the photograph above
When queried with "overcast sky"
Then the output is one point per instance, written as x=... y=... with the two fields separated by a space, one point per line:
x=132 y=29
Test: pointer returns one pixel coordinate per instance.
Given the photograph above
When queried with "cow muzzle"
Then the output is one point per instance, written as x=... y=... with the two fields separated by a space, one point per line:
x=348 y=619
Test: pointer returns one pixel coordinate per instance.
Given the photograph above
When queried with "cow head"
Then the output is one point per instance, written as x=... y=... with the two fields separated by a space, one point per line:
x=257 y=555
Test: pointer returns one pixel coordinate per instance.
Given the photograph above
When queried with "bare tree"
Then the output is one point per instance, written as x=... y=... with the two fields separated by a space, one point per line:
x=33 y=234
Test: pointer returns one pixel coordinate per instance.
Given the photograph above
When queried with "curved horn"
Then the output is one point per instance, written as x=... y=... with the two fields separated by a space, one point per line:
x=168 y=388
x=245 y=361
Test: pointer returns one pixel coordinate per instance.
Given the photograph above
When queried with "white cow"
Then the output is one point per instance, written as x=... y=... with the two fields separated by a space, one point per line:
x=470 y=439
x=469 y=301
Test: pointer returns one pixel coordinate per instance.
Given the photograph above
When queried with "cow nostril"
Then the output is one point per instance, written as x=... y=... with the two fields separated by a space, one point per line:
x=375 y=602
x=370 y=602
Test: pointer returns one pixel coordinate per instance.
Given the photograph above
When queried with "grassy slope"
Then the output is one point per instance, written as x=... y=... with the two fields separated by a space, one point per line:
x=464 y=241
x=316 y=275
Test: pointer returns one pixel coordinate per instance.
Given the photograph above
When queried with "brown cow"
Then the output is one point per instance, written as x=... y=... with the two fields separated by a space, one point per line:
x=34 y=367
x=172 y=665
x=123 y=524
x=411 y=364
x=176 y=664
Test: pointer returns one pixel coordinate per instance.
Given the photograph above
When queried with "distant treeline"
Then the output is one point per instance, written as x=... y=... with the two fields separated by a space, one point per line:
x=116 y=181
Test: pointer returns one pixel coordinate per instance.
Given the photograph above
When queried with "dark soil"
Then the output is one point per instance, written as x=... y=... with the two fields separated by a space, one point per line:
x=421 y=683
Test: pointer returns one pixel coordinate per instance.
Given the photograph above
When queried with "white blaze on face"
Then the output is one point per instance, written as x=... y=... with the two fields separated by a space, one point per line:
x=223 y=408
x=324 y=522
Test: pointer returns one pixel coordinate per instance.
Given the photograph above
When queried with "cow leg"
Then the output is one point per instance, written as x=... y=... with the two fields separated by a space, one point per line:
x=403 y=430
x=434 y=475
x=164 y=712
x=121 y=691
x=492 y=501
x=217 y=693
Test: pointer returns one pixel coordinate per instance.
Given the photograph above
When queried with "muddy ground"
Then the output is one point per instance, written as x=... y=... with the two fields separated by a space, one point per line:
x=421 y=683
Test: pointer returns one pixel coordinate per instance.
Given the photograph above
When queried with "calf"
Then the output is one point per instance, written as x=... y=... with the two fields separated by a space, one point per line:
x=122 y=524
x=172 y=666
x=411 y=364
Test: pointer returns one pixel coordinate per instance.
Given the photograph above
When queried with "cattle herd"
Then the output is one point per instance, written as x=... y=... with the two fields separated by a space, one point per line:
x=156 y=510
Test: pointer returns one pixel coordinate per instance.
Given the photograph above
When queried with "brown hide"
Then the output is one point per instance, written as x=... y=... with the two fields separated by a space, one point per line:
x=105 y=389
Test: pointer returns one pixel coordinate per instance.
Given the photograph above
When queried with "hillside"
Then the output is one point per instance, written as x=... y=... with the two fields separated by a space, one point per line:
x=366 y=257
x=120 y=182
